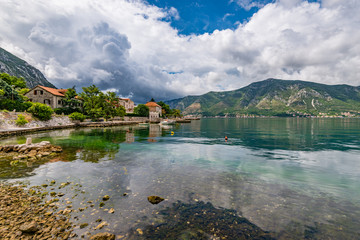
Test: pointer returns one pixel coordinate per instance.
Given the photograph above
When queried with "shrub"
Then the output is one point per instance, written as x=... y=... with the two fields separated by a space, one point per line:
x=21 y=121
x=10 y=105
x=77 y=116
x=41 y=111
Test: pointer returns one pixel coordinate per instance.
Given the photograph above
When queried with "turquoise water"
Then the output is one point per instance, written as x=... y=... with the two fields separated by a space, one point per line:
x=296 y=178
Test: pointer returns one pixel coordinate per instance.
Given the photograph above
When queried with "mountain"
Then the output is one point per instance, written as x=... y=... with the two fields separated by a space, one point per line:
x=274 y=97
x=15 y=66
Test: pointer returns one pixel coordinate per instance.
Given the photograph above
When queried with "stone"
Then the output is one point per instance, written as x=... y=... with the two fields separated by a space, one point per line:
x=29 y=227
x=29 y=141
x=101 y=225
x=83 y=225
x=106 y=197
x=103 y=236
x=32 y=153
x=111 y=210
x=155 y=199
x=45 y=153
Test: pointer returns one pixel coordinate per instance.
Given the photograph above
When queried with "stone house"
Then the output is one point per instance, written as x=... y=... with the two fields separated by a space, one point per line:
x=50 y=96
x=127 y=104
x=154 y=111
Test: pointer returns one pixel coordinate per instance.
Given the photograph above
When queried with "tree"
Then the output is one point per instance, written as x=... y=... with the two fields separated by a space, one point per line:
x=17 y=83
x=120 y=111
x=164 y=108
x=141 y=110
x=109 y=102
x=9 y=92
x=70 y=101
x=152 y=100
x=176 y=113
x=92 y=101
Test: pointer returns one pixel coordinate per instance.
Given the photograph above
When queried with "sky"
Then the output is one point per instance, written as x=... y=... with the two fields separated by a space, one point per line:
x=168 y=49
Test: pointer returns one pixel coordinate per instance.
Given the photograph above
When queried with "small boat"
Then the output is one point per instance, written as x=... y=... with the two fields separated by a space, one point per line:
x=167 y=122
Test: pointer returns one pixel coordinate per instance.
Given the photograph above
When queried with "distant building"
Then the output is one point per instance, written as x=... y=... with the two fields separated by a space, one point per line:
x=127 y=104
x=154 y=111
x=50 y=96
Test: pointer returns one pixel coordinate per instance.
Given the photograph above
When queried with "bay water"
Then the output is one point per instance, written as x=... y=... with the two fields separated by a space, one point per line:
x=292 y=177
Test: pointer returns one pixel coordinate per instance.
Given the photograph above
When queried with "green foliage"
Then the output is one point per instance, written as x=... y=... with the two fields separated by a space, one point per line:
x=120 y=111
x=17 y=83
x=12 y=87
x=21 y=121
x=165 y=108
x=70 y=103
x=92 y=101
x=109 y=102
x=176 y=113
x=11 y=105
x=8 y=91
x=141 y=110
x=98 y=104
x=41 y=111
x=77 y=116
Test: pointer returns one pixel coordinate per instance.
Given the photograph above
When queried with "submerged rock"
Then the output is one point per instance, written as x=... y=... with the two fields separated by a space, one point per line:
x=101 y=225
x=103 y=236
x=106 y=197
x=29 y=227
x=155 y=199
x=199 y=221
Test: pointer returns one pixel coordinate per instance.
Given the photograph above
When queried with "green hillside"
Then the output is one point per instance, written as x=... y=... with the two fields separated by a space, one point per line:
x=274 y=97
x=17 y=67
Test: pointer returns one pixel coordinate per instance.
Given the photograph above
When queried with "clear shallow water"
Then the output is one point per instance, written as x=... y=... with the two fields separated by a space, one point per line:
x=296 y=178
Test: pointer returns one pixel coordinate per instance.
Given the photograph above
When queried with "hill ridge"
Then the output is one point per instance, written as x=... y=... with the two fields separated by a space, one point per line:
x=15 y=66
x=274 y=97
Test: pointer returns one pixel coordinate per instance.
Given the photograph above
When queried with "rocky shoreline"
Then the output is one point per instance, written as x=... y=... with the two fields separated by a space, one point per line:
x=29 y=151
x=25 y=216
x=21 y=131
x=34 y=213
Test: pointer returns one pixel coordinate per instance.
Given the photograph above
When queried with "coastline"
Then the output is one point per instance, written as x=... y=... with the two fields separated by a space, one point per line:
x=20 y=131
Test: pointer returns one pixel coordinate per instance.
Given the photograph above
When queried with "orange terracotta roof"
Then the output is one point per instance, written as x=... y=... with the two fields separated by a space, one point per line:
x=152 y=104
x=54 y=91
x=126 y=99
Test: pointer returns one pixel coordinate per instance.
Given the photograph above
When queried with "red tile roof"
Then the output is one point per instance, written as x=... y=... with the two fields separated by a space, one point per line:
x=152 y=104
x=54 y=91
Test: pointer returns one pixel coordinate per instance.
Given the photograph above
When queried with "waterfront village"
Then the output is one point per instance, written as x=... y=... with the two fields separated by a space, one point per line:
x=21 y=106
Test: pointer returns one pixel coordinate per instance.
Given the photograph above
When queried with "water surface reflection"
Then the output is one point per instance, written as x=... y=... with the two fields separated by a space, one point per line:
x=295 y=178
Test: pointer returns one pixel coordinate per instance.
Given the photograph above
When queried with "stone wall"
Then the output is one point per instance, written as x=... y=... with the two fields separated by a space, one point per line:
x=137 y=119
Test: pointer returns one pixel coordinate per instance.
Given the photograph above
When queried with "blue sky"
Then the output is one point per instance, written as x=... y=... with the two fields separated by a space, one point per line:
x=172 y=48
x=198 y=17
x=201 y=16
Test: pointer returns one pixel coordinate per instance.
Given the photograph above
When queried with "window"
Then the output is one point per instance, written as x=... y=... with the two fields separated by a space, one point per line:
x=35 y=92
x=42 y=92
x=59 y=102
x=47 y=101
x=30 y=100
